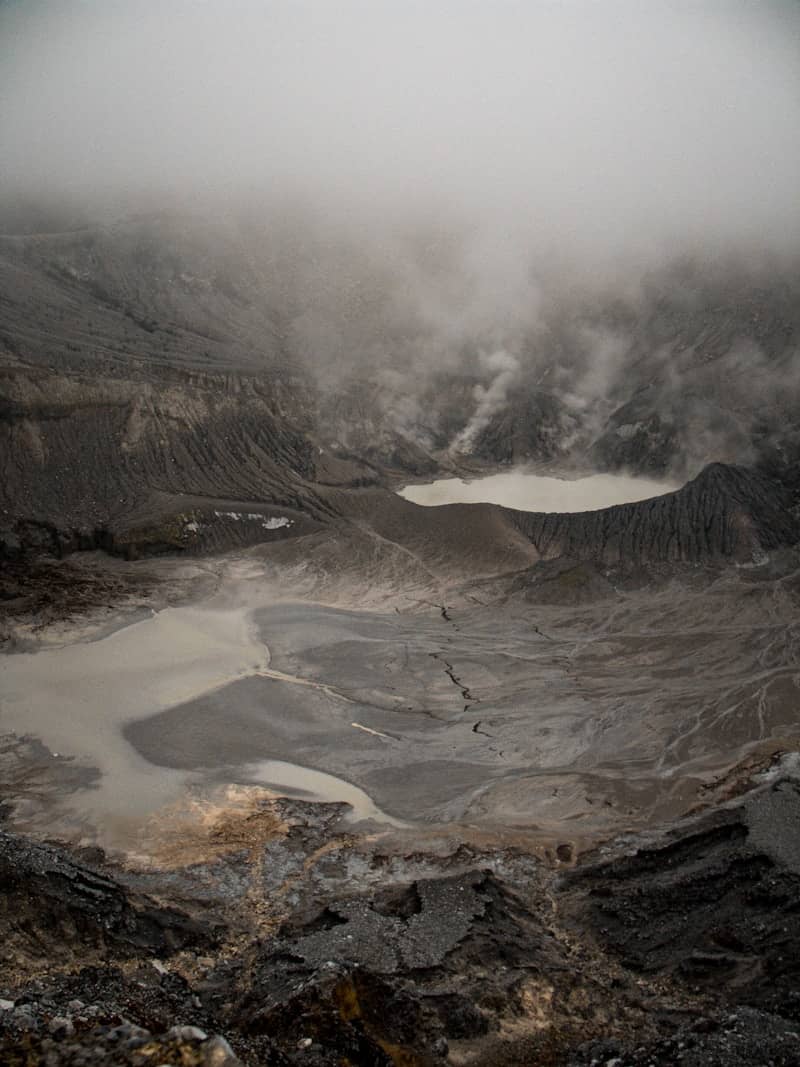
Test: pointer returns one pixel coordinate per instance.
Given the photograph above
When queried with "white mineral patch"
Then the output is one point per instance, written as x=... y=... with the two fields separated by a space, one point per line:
x=254 y=516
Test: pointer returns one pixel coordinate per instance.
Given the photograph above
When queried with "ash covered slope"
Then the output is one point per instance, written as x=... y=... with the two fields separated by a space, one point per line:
x=703 y=344
x=162 y=289
x=160 y=375
x=114 y=451
x=141 y=377
x=711 y=369
x=691 y=363
x=725 y=511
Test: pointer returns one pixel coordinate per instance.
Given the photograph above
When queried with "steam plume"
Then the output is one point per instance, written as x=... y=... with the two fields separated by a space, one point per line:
x=489 y=400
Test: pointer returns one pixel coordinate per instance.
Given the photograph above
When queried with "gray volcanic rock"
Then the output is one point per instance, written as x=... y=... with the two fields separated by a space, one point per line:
x=640 y=440
x=709 y=371
x=563 y=581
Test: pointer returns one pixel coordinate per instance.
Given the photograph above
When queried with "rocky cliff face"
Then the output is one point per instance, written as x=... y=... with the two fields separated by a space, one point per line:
x=725 y=513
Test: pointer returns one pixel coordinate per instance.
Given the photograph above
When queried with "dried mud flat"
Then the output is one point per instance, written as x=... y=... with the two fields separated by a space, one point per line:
x=469 y=861
x=568 y=702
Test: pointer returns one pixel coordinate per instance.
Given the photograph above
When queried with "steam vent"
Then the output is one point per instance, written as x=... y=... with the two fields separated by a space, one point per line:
x=399 y=534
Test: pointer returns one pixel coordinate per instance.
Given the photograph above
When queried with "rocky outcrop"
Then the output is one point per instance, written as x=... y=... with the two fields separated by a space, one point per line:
x=90 y=1035
x=712 y=907
x=680 y=946
x=55 y=906
x=460 y=959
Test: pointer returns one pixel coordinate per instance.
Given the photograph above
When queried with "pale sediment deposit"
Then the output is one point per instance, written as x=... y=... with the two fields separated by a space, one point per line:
x=526 y=491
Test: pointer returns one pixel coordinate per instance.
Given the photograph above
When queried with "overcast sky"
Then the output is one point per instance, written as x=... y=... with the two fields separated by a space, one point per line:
x=582 y=125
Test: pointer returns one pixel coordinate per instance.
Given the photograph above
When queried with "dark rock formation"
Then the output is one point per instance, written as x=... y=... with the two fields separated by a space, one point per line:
x=712 y=908
x=153 y=374
x=716 y=906
x=680 y=947
x=53 y=906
